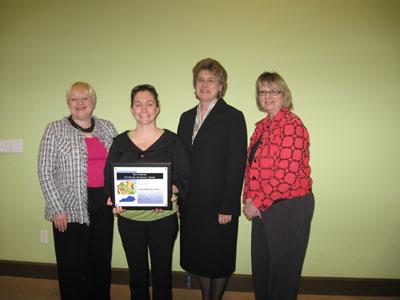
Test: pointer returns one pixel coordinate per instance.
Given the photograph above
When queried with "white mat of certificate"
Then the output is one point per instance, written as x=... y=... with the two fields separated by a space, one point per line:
x=141 y=186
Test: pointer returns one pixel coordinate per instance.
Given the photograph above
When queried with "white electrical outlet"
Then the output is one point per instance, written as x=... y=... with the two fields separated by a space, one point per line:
x=44 y=239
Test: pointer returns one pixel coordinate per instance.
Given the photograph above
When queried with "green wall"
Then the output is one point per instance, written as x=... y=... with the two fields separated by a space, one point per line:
x=340 y=58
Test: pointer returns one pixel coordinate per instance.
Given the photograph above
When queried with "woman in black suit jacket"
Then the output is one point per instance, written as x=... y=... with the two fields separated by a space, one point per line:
x=214 y=136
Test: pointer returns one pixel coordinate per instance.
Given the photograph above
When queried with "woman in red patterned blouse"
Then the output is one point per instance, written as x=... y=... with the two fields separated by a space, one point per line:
x=277 y=192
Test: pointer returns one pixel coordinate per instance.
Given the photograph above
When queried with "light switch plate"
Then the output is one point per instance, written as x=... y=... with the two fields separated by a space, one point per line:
x=16 y=146
x=4 y=146
x=11 y=146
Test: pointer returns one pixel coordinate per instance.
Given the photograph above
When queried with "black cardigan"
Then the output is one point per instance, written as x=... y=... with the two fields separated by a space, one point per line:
x=167 y=148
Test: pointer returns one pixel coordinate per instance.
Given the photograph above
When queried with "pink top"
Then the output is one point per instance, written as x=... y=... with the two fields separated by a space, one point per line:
x=96 y=160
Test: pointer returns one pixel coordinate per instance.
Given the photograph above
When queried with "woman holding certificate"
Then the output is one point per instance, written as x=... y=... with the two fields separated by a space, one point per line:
x=151 y=230
x=72 y=156
x=214 y=136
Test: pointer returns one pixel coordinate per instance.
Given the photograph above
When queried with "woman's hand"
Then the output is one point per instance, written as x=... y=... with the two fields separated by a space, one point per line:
x=250 y=210
x=60 y=221
x=174 y=189
x=174 y=197
x=224 y=219
x=116 y=210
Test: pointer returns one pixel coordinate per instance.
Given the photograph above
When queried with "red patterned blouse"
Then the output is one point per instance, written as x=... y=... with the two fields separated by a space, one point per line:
x=280 y=167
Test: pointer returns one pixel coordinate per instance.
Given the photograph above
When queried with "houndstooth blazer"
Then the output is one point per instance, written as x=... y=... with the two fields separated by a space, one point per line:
x=62 y=167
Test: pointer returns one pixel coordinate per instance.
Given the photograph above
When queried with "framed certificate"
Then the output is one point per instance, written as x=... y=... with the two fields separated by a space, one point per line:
x=141 y=185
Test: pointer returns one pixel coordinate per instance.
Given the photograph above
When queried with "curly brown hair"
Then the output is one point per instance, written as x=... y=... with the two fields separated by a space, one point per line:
x=216 y=69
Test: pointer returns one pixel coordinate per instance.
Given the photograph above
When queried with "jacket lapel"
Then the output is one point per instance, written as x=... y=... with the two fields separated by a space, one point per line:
x=188 y=132
x=211 y=119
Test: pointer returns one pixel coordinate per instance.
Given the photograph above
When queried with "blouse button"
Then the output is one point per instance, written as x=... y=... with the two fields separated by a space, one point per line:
x=254 y=178
x=141 y=155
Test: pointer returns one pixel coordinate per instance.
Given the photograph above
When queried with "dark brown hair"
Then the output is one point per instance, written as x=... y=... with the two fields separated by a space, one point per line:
x=145 y=87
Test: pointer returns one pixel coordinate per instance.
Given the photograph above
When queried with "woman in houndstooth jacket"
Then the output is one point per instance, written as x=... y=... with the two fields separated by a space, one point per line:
x=72 y=156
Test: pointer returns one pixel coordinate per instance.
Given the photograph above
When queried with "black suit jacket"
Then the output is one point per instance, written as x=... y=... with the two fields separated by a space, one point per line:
x=217 y=159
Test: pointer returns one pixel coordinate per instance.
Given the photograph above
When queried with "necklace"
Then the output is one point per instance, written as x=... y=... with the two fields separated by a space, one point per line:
x=89 y=129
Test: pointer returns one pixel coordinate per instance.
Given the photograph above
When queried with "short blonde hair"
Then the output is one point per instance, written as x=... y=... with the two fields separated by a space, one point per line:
x=84 y=86
x=216 y=69
x=273 y=79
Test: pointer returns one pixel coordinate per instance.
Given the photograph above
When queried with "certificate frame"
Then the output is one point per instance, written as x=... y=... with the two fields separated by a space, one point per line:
x=141 y=185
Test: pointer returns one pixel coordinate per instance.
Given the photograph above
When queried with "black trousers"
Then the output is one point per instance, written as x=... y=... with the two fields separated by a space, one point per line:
x=157 y=236
x=84 y=252
x=278 y=245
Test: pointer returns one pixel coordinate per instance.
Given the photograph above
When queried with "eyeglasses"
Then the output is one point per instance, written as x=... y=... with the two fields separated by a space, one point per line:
x=208 y=81
x=272 y=93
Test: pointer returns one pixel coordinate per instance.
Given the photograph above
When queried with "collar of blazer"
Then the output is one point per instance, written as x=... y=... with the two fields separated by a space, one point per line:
x=212 y=117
